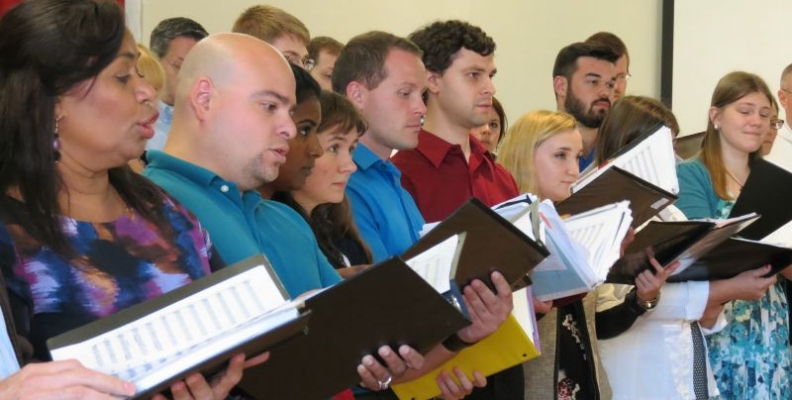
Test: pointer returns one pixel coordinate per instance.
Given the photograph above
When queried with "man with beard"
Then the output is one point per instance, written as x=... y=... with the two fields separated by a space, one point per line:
x=583 y=80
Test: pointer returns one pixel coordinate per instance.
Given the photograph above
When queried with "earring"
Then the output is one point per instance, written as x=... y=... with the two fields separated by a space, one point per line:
x=56 y=145
x=717 y=127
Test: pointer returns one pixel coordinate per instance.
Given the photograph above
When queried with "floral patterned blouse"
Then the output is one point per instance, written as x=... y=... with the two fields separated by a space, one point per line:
x=750 y=357
x=116 y=264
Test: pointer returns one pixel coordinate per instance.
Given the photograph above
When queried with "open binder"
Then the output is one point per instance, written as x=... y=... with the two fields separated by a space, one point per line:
x=614 y=185
x=686 y=241
x=492 y=243
x=767 y=191
x=643 y=172
x=195 y=328
x=734 y=256
x=387 y=304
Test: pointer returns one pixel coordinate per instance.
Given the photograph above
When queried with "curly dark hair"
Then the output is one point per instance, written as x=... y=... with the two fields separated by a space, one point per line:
x=441 y=40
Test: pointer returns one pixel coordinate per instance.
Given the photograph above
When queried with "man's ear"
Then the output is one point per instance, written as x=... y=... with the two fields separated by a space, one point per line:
x=560 y=86
x=201 y=98
x=356 y=92
x=433 y=82
x=783 y=100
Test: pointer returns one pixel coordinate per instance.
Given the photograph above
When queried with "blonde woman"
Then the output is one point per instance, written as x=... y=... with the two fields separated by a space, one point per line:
x=541 y=150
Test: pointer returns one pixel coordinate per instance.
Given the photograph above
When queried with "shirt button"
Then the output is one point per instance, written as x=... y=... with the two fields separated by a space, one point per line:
x=224 y=188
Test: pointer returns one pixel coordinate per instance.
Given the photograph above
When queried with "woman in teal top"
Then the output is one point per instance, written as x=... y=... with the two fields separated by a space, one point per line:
x=750 y=357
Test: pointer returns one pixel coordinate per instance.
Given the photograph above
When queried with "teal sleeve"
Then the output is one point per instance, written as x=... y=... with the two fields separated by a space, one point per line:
x=695 y=191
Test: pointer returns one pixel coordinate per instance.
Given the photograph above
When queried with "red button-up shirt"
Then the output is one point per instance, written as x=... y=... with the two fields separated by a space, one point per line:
x=440 y=179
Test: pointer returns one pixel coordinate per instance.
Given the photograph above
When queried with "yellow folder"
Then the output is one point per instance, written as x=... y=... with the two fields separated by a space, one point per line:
x=505 y=348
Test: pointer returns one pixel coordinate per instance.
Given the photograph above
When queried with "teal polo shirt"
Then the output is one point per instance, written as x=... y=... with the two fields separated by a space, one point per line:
x=385 y=213
x=242 y=224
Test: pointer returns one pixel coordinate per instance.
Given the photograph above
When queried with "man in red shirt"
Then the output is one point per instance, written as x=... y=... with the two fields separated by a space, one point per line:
x=449 y=165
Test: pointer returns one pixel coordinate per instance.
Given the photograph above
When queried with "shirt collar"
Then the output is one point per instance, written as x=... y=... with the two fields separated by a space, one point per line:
x=157 y=159
x=166 y=112
x=435 y=148
x=364 y=157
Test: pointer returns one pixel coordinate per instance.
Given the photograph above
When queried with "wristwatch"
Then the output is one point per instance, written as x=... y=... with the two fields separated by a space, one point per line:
x=648 y=305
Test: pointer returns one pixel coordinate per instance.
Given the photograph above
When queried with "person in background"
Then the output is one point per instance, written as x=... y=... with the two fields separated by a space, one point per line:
x=583 y=81
x=775 y=125
x=750 y=357
x=81 y=235
x=321 y=201
x=622 y=64
x=171 y=40
x=492 y=133
x=151 y=69
x=781 y=153
x=280 y=29
x=324 y=51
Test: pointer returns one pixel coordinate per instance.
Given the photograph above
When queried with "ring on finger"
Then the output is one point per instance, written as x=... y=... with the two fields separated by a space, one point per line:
x=384 y=385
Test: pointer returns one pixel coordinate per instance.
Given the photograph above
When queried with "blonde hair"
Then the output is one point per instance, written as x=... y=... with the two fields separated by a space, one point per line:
x=150 y=67
x=269 y=23
x=516 y=152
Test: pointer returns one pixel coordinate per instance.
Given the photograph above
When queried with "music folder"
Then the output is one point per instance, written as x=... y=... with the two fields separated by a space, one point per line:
x=767 y=191
x=195 y=328
x=615 y=185
x=492 y=243
x=387 y=304
x=686 y=241
x=734 y=256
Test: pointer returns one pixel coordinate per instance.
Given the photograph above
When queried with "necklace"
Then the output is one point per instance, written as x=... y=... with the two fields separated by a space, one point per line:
x=734 y=179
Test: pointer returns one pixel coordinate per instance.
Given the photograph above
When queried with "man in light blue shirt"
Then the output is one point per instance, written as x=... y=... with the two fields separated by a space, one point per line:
x=171 y=40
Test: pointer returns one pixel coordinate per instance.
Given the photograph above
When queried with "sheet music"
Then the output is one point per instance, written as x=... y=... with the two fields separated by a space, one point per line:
x=782 y=236
x=436 y=265
x=233 y=310
x=652 y=160
x=601 y=231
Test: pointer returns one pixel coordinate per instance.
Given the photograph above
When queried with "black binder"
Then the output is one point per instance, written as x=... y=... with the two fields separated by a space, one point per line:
x=767 y=191
x=733 y=257
x=667 y=241
x=387 y=304
x=257 y=345
x=614 y=185
x=491 y=244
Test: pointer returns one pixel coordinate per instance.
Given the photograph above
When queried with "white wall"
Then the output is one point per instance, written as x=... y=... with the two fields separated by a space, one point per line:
x=529 y=34
x=715 y=37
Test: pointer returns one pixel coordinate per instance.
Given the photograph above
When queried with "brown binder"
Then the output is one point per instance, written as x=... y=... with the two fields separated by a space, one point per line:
x=491 y=244
x=614 y=185
x=387 y=304
x=733 y=257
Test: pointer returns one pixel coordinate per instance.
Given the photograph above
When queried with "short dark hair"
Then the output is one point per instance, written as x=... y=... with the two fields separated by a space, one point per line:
x=566 y=61
x=612 y=42
x=171 y=28
x=441 y=40
x=326 y=43
x=363 y=59
x=307 y=86
x=337 y=110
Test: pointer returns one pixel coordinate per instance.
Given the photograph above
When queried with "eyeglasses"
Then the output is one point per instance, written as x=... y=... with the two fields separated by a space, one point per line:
x=623 y=77
x=777 y=124
x=596 y=83
x=306 y=62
